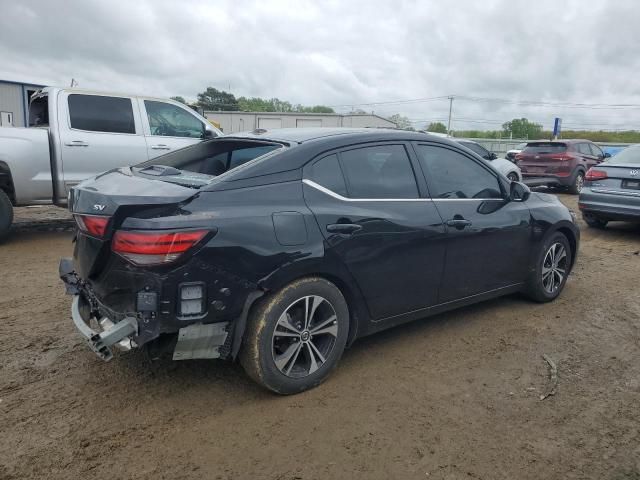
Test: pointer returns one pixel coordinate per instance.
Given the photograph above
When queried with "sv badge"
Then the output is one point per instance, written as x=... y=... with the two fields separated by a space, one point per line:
x=99 y=207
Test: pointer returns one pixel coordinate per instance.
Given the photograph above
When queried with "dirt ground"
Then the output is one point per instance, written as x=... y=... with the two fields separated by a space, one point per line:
x=451 y=397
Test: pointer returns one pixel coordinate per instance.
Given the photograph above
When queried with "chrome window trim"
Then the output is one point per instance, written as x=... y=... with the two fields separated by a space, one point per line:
x=337 y=196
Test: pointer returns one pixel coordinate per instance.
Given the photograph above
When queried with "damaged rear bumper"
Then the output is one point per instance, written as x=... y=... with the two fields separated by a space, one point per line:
x=101 y=342
x=124 y=331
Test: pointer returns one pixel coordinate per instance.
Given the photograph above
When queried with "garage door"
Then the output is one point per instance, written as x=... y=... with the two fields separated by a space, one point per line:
x=269 y=123
x=308 y=122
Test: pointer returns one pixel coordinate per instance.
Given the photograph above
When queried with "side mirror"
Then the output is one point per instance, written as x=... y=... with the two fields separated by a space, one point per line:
x=492 y=156
x=519 y=192
x=607 y=155
x=208 y=134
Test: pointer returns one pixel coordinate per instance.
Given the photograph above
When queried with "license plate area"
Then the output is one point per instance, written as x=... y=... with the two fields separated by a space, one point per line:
x=631 y=184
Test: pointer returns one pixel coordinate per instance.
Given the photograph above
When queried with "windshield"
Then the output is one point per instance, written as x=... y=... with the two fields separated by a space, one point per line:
x=213 y=157
x=540 y=148
x=630 y=155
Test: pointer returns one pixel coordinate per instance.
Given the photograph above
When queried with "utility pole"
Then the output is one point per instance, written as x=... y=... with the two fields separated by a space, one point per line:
x=450 y=108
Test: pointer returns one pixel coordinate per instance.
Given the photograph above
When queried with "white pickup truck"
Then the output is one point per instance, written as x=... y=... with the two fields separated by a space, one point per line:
x=75 y=134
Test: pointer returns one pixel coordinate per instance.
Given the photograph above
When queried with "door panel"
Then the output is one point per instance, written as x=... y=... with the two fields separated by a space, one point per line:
x=488 y=237
x=394 y=247
x=168 y=127
x=98 y=133
x=395 y=253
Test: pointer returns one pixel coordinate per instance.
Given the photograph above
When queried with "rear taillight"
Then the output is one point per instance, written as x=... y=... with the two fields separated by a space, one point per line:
x=92 y=224
x=519 y=157
x=561 y=157
x=593 y=174
x=154 y=248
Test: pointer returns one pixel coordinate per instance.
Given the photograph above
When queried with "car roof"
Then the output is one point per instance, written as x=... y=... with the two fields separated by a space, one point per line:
x=304 y=135
x=307 y=143
x=562 y=140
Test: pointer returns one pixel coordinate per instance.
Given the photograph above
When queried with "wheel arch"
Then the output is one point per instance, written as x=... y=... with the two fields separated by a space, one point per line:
x=6 y=182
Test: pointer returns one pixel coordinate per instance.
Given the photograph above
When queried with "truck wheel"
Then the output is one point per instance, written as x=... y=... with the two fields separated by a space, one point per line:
x=6 y=215
x=296 y=336
x=578 y=181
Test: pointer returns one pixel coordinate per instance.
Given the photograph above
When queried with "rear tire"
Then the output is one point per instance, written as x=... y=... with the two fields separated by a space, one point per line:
x=594 y=222
x=6 y=215
x=552 y=267
x=296 y=336
x=578 y=182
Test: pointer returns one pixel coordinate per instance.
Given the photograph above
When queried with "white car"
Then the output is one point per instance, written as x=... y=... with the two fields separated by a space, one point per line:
x=504 y=166
x=511 y=154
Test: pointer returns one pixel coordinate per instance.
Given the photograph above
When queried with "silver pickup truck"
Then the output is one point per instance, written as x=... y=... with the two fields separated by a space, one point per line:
x=75 y=134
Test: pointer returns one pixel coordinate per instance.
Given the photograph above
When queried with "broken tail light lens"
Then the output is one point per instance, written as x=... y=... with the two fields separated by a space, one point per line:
x=154 y=248
x=92 y=224
x=593 y=174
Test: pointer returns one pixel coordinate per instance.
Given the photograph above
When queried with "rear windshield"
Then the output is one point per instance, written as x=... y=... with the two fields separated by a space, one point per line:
x=540 y=148
x=630 y=155
x=214 y=157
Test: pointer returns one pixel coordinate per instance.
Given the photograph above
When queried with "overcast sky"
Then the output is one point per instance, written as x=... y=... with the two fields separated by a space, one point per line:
x=351 y=53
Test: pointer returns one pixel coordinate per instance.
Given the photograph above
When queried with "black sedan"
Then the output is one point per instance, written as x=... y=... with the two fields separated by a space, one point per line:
x=612 y=190
x=282 y=247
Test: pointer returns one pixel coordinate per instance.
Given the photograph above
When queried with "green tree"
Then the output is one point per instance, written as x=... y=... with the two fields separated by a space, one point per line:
x=179 y=99
x=217 y=100
x=402 y=122
x=437 y=127
x=522 y=128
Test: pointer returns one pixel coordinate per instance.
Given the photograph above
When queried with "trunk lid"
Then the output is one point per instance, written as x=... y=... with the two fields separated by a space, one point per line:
x=119 y=194
x=621 y=177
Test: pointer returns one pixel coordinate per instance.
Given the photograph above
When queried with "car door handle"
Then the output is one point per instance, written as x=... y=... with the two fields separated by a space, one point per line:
x=458 y=223
x=76 y=143
x=344 y=228
x=160 y=147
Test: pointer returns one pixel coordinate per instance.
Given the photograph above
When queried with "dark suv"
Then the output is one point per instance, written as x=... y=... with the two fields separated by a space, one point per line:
x=282 y=247
x=562 y=163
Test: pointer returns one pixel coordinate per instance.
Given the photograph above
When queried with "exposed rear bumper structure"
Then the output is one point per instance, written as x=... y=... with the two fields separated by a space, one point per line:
x=101 y=342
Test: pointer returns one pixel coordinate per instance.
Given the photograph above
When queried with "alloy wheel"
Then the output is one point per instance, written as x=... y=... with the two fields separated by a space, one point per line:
x=554 y=267
x=304 y=336
x=579 y=182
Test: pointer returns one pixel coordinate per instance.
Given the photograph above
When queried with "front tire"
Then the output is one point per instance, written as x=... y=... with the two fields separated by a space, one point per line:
x=6 y=215
x=552 y=267
x=296 y=336
x=578 y=182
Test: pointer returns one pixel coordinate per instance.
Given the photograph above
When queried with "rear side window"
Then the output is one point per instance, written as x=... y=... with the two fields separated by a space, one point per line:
x=382 y=171
x=453 y=175
x=540 y=148
x=326 y=172
x=97 y=113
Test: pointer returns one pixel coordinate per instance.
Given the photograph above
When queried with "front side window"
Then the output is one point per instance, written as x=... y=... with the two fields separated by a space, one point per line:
x=99 y=113
x=382 y=171
x=453 y=175
x=584 y=149
x=167 y=120
x=479 y=149
x=595 y=150
x=326 y=172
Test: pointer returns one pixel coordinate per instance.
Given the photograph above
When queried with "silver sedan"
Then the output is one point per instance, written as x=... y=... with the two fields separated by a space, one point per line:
x=612 y=190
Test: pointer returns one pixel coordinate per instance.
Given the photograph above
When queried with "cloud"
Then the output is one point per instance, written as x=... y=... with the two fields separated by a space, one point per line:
x=342 y=53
